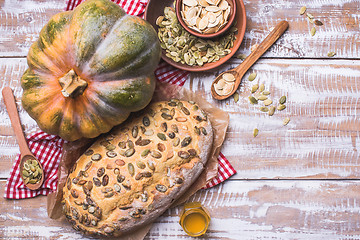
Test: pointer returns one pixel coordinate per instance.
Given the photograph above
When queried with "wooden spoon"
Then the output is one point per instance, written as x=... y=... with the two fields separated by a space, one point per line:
x=25 y=152
x=240 y=70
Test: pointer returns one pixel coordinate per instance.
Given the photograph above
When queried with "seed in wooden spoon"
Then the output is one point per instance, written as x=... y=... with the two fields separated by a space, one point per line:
x=228 y=89
x=252 y=77
x=228 y=77
x=221 y=83
x=302 y=10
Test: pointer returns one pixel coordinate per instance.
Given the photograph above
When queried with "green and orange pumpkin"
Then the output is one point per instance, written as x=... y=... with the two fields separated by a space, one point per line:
x=89 y=69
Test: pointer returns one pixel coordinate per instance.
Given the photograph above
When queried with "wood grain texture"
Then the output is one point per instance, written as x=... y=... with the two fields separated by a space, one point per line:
x=238 y=209
x=322 y=138
x=21 y=21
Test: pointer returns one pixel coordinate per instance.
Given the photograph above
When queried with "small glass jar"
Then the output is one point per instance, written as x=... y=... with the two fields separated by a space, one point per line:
x=194 y=219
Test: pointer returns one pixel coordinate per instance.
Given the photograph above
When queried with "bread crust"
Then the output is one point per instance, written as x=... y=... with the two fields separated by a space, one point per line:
x=131 y=175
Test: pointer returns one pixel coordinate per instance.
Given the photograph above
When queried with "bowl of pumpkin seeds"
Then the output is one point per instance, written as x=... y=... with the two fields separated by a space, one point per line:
x=187 y=51
x=206 y=18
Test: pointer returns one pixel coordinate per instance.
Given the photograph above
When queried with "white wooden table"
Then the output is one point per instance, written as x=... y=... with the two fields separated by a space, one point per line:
x=300 y=181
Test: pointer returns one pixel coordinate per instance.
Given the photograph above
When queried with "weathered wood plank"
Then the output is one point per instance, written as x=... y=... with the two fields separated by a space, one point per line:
x=21 y=21
x=321 y=140
x=239 y=209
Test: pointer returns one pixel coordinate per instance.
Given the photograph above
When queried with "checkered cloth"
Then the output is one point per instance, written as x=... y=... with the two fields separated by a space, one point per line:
x=48 y=148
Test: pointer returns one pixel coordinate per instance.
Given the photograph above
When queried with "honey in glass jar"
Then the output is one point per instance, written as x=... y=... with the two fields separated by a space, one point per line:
x=194 y=219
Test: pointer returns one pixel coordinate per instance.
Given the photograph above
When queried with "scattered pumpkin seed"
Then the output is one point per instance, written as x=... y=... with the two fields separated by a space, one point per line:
x=272 y=110
x=286 y=121
x=268 y=102
x=302 y=10
x=262 y=97
x=281 y=107
x=313 y=31
x=253 y=100
x=252 y=76
x=331 y=54
x=309 y=15
x=254 y=88
x=264 y=109
x=236 y=97
x=282 y=100
x=266 y=93
x=255 y=132
x=318 y=23
x=262 y=87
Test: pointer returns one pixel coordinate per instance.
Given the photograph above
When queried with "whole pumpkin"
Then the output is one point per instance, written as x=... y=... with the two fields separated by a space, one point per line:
x=89 y=69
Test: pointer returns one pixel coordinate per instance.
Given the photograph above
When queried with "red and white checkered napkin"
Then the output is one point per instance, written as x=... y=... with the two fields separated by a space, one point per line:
x=48 y=148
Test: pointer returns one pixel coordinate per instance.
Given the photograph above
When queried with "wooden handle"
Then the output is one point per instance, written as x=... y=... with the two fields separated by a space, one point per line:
x=279 y=29
x=10 y=104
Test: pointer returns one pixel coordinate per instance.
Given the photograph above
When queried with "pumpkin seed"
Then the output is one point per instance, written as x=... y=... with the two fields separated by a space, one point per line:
x=96 y=157
x=142 y=142
x=179 y=180
x=262 y=87
x=255 y=132
x=181 y=119
x=309 y=15
x=146 y=121
x=203 y=130
x=302 y=10
x=171 y=135
x=163 y=127
x=174 y=127
x=139 y=176
x=120 y=178
x=281 y=107
x=331 y=54
x=236 y=97
x=129 y=152
x=313 y=31
x=162 y=136
x=161 y=147
x=262 y=97
x=120 y=162
x=185 y=111
x=176 y=141
x=82 y=182
x=253 y=100
x=100 y=172
x=140 y=164
x=89 y=152
x=172 y=112
x=265 y=93
x=97 y=182
x=131 y=169
x=272 y=110
x=186 y=141
x=183 y=154
x=264 y=109
x=268 y=102
x=318 y=23
x=110 y=147
x=145 y=152
x=197 y=130
x=111 y=154
x=254 y=88
x=74 y=193
x=87 y=166
x=117 y=187
x=286 y=121
x=147 y=174
x=122 y=145
x=192 y=152
x=161 y=188
x=252 y=77
x=135 y=131
x=105 y=180
x=155 y=154
x=151 y=165
x=166 y=116
x=282 y=100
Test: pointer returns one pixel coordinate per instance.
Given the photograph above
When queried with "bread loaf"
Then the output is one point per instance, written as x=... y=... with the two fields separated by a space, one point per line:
x=131 y=175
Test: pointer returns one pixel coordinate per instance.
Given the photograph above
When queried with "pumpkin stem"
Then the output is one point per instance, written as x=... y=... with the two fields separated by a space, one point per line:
x=72 y=85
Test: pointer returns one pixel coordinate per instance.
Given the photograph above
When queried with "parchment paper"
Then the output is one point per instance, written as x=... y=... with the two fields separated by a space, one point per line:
x=164 y=91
